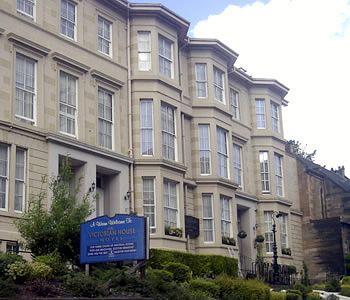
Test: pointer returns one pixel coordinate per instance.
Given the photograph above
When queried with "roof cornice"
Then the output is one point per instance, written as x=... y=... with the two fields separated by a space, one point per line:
x=163 y=12
x=215 y=44
x=274 y=84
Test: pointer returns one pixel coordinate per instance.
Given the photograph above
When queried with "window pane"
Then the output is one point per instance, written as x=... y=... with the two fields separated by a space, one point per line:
x=146 y=126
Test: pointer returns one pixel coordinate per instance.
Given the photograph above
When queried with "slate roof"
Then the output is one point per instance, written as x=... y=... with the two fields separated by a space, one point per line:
x=341 y=181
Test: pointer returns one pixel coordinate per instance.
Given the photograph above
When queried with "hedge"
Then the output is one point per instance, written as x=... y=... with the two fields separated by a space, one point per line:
x=235 y=288
x=345 y=290
x=200 y=265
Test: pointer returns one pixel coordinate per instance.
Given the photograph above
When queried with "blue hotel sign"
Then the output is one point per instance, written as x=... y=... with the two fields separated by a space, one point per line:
x=122 y=237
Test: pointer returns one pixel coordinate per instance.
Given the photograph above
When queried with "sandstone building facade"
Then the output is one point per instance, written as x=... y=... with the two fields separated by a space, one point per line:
x=160 y=123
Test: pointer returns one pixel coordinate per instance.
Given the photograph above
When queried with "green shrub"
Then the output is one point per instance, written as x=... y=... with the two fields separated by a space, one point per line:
x=278 y=296
x=197 y=295
x=8 y=289
x=234 y=288
x=345 y=280
x=19 y=271
x=210 y=288
x=345 y=290
x=7 y=259
x=44 y=288
x=293 y=295
x=333 y=285
x=200 y=265
x=303 y=289
x=319 y=286
x=181 y=272
x=54 y=261
x=81 y=285
x=313 y=296
x=39 y=270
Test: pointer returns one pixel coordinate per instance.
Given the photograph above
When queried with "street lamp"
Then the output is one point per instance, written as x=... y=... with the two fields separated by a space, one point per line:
x=275 y=274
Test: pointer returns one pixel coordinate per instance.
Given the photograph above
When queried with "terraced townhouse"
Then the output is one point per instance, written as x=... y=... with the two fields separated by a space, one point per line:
x=154 y=121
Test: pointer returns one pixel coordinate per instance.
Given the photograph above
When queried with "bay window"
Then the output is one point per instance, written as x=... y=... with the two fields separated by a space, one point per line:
x=170 y=204
x=279 y=174
x=144 y=50
x=201 y=80
x=168 y=131
x=237 y=165
x=204 y=149
x=4 y=175
x=268 y=231
x=165 y=52
x=260 y=113
x=20 y=179
x=225 y=216
x=146 y=126
x=264 y=171
x=234 y=104
x=149 y=201
x=275 y=117
x=222 y=152
x=208 y=217
x=219 y=93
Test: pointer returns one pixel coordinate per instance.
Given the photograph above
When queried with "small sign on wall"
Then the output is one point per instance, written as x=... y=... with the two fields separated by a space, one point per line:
x=120 y=238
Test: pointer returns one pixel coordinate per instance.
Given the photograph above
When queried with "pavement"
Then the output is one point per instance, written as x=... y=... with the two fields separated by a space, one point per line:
x=324 y=295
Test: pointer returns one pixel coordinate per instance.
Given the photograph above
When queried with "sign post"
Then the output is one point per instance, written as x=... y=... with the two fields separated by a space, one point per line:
x=120 y=238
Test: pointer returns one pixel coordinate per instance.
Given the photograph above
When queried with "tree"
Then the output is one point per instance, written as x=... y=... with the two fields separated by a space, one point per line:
x=296 y=148
x=56 y=230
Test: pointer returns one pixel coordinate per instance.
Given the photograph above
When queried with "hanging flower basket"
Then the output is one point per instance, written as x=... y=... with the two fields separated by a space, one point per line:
x=287 y=251
x=242 y=234
x=173 y=231
x=259 y=238
x=228 y=241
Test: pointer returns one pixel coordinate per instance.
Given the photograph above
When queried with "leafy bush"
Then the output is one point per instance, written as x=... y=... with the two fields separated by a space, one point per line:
x=181 y=272
x=303 y=289
x=44 y=288
x=197 y=295
x=319 y=286
x=210 y=288
x=7 y=259
x=346 y=280
x=39 y=270
x=200 y=265
x=278 y=296
x=293 y=295
x=333 y=285
x=19 y=271
x=57 y=229
x=313 y=296
x=234 y=288
x=81 y=285
x=54 y=261
x=345 y=290
x=8 y=289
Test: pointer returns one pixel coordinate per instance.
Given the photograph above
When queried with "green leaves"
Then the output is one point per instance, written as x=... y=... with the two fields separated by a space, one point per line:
x=57 y=229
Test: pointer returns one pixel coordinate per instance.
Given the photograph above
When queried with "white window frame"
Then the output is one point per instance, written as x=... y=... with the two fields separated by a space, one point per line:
x=234 y=97
x=259 y=113
x=144 y=128
x=162 y=57
x=168 y=182
x=224 y=210
x=205 y=151
x=8 y=149
x=34 y=93
x=264 y=171
x=209 y=219
x=222 y=155
x=75 y=135
x=167 y=133
x=24 y=12
x=154 y=205
x=268 y=234
x=284 y=231
x=148 y=51
x=23 y=181
x=103 y=38
x=217 y=86
x=238 y=164
x=75 y=19
x=199 y=81
x=105 y=91
x=275 y=117
x=279 y=174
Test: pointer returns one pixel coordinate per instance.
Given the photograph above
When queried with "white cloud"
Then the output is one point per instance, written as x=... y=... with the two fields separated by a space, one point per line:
x=305 y=44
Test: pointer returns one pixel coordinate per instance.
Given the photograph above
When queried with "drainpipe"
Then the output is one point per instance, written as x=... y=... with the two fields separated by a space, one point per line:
x=131 y=149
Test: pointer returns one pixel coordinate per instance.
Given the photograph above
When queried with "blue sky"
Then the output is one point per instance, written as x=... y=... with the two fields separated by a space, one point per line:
x=196 y=10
